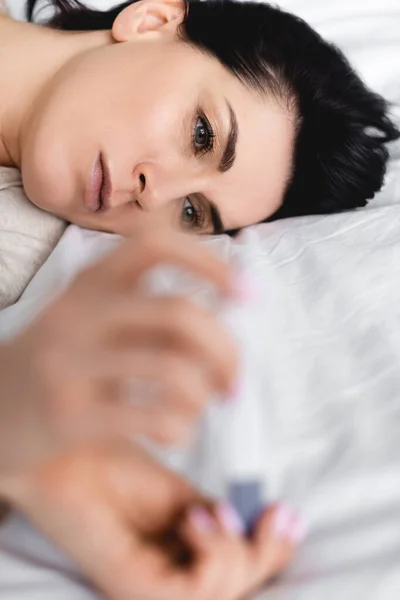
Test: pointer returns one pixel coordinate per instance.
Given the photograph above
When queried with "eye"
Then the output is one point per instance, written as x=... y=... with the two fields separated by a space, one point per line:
x=203 y=135
x=191 y=216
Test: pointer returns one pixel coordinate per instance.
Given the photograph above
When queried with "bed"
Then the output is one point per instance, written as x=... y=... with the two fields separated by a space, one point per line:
x=328 y=358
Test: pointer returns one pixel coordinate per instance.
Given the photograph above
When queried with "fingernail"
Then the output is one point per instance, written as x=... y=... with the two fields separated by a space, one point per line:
x=236 y=391
x=201 y=520
x=298 y=531
x=283 y=521
x=246 y=288
x=229 y=519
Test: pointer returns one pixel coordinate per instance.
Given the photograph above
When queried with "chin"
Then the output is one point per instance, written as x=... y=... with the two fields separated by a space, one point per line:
x=44 y=203
x=50 y=201
x=48 y=184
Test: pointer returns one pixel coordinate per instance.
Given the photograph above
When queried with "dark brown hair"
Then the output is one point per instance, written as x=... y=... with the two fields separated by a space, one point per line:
x=340 y=152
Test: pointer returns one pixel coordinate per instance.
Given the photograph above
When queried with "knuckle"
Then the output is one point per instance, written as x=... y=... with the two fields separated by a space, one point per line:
x=180 y=311
x=171 y=431
x=184 y=382
x=169 y=368
x=58 y=480
x=172 y=370
x=193 y=398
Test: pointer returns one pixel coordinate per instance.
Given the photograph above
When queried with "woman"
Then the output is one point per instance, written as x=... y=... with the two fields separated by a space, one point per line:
x=213 y=116
x=208 y=116
x=239 y=131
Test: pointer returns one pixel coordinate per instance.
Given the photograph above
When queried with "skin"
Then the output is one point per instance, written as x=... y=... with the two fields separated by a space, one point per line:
x=66 y=97
x=70 y=96
x=104 y=501
x=112 y=523
x=76 y=355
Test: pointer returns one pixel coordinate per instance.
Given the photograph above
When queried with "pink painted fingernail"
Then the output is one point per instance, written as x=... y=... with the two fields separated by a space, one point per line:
x=201 y=520
x=229 y=519
x=246 y=288
x=283 y=520
x=288 y=524
x=236 y=391
x=298 y=531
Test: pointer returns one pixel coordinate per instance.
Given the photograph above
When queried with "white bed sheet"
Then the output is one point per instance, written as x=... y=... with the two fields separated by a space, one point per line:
x=329 y=348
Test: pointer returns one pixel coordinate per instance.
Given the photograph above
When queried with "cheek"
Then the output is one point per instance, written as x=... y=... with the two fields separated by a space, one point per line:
x=152 y=110
x=133 y=118
x=44 y=175
x=56 y=147
x=55 y=165
x=149 y=129
x=144 y=107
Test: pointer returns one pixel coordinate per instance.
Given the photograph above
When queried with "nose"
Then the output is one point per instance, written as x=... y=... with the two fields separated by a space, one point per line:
x=156 y=186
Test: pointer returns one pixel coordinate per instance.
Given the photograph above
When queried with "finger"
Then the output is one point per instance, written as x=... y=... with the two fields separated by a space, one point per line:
x=136 y=255
x=173 y=380
x=173 y=493
x=201 y=531
x=157 y=424
x=178 y=324
x=152 y=575
x=139 y=571
x=277 y=535
x=106 y=417
x=217 y=542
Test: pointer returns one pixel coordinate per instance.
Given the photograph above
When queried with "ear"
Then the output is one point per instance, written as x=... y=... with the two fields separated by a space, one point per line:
x=146 y=16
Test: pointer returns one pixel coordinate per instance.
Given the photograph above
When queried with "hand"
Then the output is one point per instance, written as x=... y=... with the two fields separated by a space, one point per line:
x=140 y=532
x=62 y=379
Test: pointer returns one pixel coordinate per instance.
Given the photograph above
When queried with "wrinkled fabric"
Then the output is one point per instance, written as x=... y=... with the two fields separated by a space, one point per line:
x=327 y=367
x=328 y=348
x=28 y=235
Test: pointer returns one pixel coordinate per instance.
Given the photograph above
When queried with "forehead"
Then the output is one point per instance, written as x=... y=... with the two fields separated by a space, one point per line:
x=254 y=187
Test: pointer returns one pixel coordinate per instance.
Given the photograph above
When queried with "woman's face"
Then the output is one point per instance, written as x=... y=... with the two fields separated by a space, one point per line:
x=151 y=130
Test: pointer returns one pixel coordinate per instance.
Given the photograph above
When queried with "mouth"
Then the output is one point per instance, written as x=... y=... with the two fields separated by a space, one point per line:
x=97 y=197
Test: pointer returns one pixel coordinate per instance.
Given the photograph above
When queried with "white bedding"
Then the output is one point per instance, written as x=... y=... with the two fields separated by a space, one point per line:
x=329 y=348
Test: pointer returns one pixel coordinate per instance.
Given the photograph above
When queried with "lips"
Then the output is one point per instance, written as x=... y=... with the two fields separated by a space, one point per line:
x=106 y=189
x=99 y=190
x=93 y=194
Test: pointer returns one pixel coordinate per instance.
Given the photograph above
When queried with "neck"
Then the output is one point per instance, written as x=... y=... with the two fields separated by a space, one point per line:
x=30 y=57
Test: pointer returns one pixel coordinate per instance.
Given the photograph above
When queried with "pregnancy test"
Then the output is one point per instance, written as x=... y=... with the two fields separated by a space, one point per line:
x=243 y=428
x=241 y=440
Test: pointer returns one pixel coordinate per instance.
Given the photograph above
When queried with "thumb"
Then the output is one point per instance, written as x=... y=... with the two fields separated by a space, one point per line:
x=276 y=537
x=150 y=494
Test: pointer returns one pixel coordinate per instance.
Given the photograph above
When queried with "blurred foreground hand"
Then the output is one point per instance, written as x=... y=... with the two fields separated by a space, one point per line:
x=63 y=379
x=140 y=532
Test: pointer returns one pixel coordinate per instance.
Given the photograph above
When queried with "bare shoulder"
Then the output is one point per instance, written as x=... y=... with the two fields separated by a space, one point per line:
x=3 y=8
x=4 y=17
x=8 y=23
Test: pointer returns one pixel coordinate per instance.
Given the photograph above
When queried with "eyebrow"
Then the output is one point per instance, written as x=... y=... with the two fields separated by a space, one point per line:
x=218 y=226
x=229 y=155
x=227 y=162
